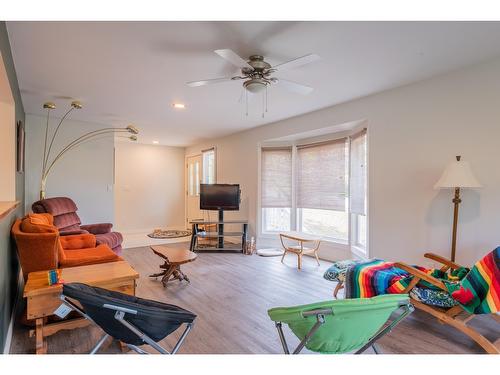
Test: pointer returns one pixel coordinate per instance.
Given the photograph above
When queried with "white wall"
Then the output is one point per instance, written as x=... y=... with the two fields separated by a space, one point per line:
x=414 y=131
x=8 y=138
x=149 y=190
x=84 y=174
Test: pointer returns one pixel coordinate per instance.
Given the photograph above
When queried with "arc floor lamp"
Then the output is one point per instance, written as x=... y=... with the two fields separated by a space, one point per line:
x=48 y=164
x=457 y=175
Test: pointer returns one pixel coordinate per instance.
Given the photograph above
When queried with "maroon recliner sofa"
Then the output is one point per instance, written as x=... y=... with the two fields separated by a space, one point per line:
x=67 y=221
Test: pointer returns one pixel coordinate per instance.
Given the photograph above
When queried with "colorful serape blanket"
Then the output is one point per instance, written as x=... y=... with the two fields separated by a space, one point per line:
x=479 y=291
x=374 y=277
x=371 y=278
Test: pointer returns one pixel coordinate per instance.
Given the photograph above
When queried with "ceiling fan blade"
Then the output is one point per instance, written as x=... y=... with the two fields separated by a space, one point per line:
x=233 y=58
x=295 y=87
x=299 y=61
x=208 y=81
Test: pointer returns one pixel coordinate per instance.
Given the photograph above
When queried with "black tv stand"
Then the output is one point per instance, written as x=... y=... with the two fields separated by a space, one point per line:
x=220 y=230
x=219 y=234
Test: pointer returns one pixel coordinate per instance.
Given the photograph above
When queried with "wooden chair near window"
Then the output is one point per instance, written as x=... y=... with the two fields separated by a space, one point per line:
x=458 y=316
x=305 y=244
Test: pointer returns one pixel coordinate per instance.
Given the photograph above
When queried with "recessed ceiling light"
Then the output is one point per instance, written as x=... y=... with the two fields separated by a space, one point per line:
x=179 y=105
x=156 y=142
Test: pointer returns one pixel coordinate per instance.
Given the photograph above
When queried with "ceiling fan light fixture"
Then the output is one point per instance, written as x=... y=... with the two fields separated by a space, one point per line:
x=179 y=105
x=255 y=85
x=257 y=75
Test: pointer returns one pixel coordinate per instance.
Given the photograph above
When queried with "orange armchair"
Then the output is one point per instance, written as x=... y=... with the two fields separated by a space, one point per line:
x=41 y=248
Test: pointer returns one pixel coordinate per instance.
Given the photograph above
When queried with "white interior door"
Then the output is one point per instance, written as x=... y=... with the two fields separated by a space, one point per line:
x=193 y=180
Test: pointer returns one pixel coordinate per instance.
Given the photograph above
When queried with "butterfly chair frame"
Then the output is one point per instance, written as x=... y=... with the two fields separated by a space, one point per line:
x=320 y=314
x=454 y=316
x=120 y=317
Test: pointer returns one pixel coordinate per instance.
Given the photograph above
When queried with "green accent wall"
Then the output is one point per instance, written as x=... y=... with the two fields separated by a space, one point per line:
x=9 y=266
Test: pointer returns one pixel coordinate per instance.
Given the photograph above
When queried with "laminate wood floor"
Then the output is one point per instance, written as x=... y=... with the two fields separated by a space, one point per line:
x=231 y=293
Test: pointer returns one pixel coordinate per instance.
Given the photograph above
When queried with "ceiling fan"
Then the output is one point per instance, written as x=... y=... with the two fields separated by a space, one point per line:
x=257 y=73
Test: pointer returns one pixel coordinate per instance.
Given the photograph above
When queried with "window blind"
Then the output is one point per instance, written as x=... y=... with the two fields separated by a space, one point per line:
x=209 y=166
x=321 y=175
x=358 y=173
x=276 y=177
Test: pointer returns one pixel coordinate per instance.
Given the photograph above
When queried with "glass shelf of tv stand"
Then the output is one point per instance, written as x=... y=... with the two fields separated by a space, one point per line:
x=218 y=234
x=203 y=234
x=201 y=221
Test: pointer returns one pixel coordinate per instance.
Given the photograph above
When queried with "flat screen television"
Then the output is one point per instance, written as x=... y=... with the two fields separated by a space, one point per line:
x=220 y=197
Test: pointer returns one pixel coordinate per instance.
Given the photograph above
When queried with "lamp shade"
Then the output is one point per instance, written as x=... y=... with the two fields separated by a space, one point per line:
x=457 y=174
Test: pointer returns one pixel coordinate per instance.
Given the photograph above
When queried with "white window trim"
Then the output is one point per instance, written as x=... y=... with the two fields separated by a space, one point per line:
x=214 y=149
x=357 y=249
x=293 y=209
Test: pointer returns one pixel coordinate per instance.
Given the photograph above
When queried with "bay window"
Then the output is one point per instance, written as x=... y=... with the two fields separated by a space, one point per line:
x=317 y=188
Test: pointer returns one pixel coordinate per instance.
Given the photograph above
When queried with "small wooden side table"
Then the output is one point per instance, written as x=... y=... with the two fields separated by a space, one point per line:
x=172 y=266
x=43 y=299
x=301 y=248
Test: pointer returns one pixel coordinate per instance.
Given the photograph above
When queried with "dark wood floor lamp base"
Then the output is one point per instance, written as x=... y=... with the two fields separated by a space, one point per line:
x=456 y=201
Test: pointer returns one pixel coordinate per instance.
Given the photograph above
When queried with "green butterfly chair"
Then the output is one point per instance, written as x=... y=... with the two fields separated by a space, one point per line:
x=341 y=326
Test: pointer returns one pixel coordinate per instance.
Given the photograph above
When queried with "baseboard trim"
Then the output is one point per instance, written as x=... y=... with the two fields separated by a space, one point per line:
x=10 y=330
x=140 y=239
x=328 y=251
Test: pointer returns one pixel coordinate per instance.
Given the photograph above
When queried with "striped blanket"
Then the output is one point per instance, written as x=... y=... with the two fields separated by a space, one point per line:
x=375 y=277
x=477 y=290
x=372 y=278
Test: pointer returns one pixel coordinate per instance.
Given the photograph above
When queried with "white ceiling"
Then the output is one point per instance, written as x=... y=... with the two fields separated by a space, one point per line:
x=132 y=72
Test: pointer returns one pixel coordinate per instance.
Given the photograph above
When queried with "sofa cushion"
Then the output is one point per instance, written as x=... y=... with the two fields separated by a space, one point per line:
x=84 y=257
x=68 y=221
x=100 y=228
x=112 y=239
x=78 y=241
x=38 y=223
x=56 y=206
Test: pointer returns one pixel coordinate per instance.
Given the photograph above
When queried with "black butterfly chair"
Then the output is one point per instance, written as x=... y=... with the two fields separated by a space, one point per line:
x=132 y=320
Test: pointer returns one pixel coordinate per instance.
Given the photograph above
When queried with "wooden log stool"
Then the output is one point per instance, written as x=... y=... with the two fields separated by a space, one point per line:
x=171 y=268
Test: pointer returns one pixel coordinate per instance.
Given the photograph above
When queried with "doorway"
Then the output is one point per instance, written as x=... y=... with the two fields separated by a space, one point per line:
x=193 y=180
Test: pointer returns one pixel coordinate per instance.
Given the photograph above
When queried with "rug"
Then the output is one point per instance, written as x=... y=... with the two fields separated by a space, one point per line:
x=170 y=233
x=270 y=252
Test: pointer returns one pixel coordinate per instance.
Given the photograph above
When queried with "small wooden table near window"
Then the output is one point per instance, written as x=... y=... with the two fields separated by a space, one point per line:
x=305 y=244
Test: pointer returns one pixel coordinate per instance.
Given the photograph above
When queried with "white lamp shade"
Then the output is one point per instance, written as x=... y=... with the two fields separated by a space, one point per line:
x=457 y=174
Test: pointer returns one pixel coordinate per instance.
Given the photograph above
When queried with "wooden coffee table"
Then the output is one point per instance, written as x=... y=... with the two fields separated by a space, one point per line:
x=43 y=300
x=172 y=266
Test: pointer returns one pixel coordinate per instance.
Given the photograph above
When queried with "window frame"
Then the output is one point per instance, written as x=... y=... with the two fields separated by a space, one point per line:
x=325 y=238
x=203 y=152
x=356 y=247
x=263 y=221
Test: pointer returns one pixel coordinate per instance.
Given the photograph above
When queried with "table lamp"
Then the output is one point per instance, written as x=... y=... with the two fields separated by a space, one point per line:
x=457 y=174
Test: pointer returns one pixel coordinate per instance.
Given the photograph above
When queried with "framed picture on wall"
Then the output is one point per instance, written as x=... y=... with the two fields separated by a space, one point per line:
x=20 y=147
